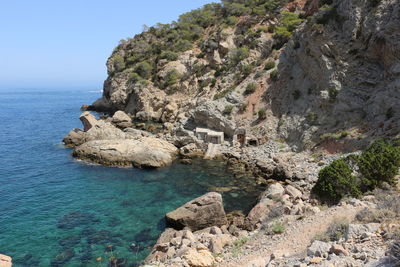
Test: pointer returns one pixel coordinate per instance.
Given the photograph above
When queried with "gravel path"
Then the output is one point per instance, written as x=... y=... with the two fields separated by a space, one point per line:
x=294 y=241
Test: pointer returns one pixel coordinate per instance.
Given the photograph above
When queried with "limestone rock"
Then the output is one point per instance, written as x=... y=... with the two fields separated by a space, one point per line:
x=199 y=213
x=147 y=152
x=274 y=191
x=319 y=249
x=5 y=261
x=190 y=150
x=358 y=230
x=202 y=258
x=121 y=119
x=74 y=137
x=293 y=192
x=173 y=66
x=338 y=250
x=88 y=120
x=210 y=115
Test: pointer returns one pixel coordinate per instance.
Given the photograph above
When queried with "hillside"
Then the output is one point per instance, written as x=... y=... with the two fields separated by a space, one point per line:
x=297 y=96
x=318 y=72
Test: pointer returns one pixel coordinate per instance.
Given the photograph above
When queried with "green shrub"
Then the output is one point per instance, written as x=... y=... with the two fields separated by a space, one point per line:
x=269 y=65
x=274 y=75
x=296 y=94
x=250 y=88
x=336 y=181
x=312 y=118
x=379 y=163
x=336 y=231
x=239 y=54
x=333 y=93
x=224 y=92
x=144 y=69
x=227 y=110
x=288 y=23
x=171 y=78
x=134 y=77
x=277 y=228
x=246 y=69
x=262 y=113
x=243 y=107
x=119 y=63
x=169 y=55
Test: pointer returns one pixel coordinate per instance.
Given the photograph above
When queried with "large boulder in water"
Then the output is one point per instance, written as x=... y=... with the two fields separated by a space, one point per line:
x=100 y=131
x=200 y=213
x=146 y=152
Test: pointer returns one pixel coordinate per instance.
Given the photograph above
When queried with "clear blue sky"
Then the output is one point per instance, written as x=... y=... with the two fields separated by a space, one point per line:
x=65 y=43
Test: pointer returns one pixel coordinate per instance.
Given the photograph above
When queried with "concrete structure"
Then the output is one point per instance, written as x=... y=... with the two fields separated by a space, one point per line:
x=240 y=136
x=209 y=136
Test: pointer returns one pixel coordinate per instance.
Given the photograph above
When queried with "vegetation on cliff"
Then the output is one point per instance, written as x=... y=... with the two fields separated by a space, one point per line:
x=144 y=56
x=354 y=175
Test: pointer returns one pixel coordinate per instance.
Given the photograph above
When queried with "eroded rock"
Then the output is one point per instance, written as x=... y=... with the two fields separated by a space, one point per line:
x=202 y=212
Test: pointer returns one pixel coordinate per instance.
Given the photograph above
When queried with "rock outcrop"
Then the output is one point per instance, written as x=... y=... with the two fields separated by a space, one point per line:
x=121 y=120
x=146 y=152
x=202 y=212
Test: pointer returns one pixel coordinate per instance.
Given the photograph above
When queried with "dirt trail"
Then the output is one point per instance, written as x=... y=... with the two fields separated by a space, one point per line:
x=295 y=240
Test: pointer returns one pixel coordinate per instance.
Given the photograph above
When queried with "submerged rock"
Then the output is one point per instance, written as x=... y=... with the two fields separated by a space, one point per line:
x=147 y=152
x=76 y=218
x=63 y=257
x=200 y=213
x=70 y=241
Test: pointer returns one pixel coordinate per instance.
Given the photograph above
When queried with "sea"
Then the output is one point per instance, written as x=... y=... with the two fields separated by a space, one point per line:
x=58 y=211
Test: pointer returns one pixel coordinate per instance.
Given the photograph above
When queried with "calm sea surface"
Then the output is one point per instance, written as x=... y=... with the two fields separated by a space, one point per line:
x=56 y=211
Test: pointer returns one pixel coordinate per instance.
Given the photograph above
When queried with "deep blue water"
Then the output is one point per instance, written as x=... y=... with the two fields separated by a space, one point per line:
x=56 y=211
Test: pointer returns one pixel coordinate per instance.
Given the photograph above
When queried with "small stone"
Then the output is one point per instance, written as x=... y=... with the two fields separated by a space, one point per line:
x=215 y=230
x=339 y=250
x=316 y=260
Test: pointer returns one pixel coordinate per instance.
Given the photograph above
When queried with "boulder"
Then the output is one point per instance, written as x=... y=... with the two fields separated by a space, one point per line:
x=176 y=66
x=190 y=150
x=210 y=115
x=200 y=213
x=95 y=130
x=319 y=249
x=199 y=258
x=274 y=191
x=358 y=230
x=259 y=212
x=88 y=120
x=74 y=137
x=121 y=119
x=293 y=192
x=218 y=243
x=5 y=261
x=146 y=152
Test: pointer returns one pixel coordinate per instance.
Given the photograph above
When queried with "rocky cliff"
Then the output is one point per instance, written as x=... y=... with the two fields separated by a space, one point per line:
x=305 y=72
x=307 y=81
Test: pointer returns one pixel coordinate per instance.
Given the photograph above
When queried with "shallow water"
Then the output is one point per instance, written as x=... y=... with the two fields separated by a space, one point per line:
x=56 y=211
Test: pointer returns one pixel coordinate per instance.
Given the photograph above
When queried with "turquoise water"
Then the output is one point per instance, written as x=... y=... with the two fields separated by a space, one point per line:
x=56 y=211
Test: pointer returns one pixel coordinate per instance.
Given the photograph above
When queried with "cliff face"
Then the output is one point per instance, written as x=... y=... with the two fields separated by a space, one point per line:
x=336 y=81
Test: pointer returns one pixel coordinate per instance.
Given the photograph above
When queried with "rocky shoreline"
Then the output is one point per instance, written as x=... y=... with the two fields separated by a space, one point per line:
x=279 y=93
x=207 y=229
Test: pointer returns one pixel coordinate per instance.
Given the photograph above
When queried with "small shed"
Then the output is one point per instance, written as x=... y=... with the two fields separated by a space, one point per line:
x=201 y=133
x=215 y=137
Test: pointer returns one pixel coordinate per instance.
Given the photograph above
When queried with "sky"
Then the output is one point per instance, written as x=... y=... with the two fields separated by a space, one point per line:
x=65 y=43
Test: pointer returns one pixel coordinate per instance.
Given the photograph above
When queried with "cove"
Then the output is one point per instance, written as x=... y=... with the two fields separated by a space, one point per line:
x=56 y=211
